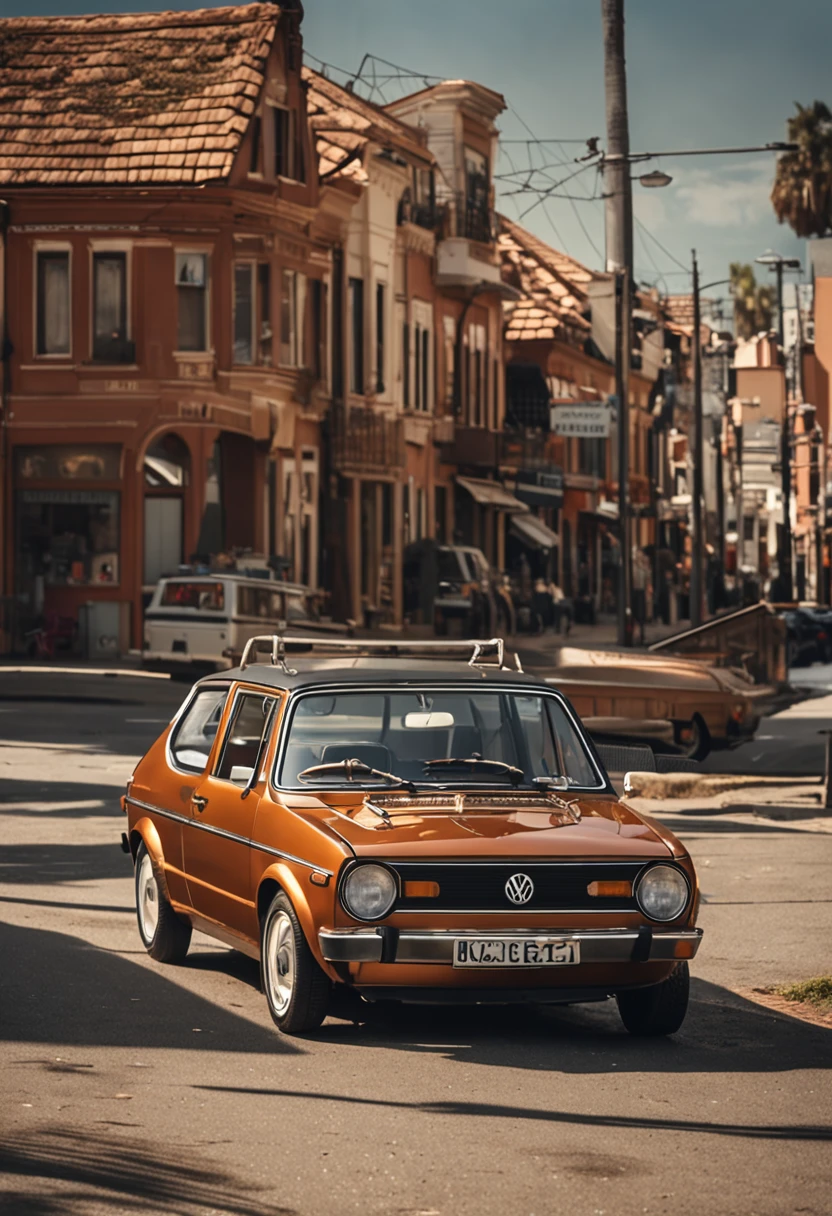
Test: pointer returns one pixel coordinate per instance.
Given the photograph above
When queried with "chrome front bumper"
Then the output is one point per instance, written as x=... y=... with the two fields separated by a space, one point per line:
x=390 y=945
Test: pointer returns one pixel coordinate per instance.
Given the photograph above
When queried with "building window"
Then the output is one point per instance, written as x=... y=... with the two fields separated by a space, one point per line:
x=285 y=160
x=264 y=312
x=109 y=271
x=379 y=337
x=293 y=319
x=318 y=361
x=53 y=314
x=449 y=338
x=406 y=365
x=243 y=313
x=425 y=369
x=357 y=335
x=477 y=220
x=256 y=144
x=476 y=375
x=192 y=292
x=67 y=537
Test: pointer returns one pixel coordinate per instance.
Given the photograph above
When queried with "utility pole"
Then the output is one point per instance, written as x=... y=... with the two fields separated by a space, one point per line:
x=619 y=236
x=697 y=545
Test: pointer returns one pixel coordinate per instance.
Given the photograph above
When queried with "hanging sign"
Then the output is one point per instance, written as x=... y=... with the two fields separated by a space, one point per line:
x=585 y=420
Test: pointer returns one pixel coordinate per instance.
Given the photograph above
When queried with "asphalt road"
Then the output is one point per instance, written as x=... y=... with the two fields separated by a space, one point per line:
x=130 y=1087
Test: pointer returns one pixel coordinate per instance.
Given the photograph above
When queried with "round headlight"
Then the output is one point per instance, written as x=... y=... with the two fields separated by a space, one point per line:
x=662 y=892
x=369 y=892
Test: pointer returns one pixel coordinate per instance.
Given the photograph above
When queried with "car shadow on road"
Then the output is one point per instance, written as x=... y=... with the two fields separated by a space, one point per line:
x=62 y=1171
x=49 y=865
x=61 y=800
x=723 y=1033
x=106 y=1000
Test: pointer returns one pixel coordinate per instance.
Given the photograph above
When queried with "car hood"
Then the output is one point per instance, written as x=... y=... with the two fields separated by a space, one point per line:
x=648 y=671
x=488 y=825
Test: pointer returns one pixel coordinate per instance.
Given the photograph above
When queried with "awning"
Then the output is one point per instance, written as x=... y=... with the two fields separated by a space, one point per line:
x=491 y=494
x=533 y=532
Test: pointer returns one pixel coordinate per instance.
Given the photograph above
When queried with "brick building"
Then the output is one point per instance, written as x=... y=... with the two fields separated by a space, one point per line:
x=165 y=284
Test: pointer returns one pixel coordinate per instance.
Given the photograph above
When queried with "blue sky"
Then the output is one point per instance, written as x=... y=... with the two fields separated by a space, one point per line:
x=708 y=74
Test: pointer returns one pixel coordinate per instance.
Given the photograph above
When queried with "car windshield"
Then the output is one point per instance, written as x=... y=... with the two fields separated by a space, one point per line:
x=406 y=733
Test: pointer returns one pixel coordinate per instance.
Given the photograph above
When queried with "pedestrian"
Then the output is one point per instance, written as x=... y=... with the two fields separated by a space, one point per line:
x=641 y=580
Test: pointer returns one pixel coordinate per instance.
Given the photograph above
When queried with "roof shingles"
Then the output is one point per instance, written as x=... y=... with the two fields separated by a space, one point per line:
x=109 y=93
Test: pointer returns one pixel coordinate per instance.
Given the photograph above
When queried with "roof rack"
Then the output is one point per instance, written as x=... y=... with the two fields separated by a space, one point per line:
x=479 y=652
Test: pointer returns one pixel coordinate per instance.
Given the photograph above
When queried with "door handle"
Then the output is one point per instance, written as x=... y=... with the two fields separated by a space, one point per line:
x=199 y=803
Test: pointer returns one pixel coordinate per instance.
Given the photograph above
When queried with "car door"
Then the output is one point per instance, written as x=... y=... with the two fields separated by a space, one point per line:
x=223 y=807
x=188 y=753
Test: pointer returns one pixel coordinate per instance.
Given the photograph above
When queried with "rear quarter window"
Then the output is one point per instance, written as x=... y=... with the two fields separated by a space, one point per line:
x=206 y=597
x=195 y=732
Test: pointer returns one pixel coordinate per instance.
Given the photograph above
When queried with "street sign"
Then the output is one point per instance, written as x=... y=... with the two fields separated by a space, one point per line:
x=585 y=420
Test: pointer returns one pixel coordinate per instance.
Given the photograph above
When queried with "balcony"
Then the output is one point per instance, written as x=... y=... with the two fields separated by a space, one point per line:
x=467 y=254
x=471 y=446
x=526 y=450
x=364 y=441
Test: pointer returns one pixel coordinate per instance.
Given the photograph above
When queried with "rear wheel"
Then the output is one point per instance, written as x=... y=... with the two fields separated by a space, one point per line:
x=659 y=1009
x=296 y=989
x=695 y=739
x=166 y=938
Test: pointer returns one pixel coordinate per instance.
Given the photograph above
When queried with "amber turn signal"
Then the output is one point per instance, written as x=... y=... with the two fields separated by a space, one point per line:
x=319 y=879
x=421 y=890
x=610 y=887
x=683 y=950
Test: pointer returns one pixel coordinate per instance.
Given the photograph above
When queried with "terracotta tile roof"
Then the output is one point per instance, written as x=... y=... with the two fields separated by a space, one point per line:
x=554 y=288
x=345 y=125
x=139 y=97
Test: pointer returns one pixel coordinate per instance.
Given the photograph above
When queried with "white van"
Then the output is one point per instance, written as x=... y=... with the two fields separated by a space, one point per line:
x=201 y=622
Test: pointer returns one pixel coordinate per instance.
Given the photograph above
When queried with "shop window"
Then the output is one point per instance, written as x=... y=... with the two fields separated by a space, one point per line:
x=68 y=462
x=109 y=342
x=357 y=335
x=293 y=319
x=52 y=312
x=67 y=537
x=192 y=293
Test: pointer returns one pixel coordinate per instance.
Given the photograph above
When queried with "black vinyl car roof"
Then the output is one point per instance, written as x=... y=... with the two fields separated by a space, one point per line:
x=395 y=671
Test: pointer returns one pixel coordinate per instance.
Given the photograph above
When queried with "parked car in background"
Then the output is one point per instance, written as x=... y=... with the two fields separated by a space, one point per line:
x=200 y=623
x=676 y=704
x=808 y=636
x=451 y=587
x=415 y=828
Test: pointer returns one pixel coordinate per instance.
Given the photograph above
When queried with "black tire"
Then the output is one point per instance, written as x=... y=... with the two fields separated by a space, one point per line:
x=700 y=743
x=304 y=1001
x=659 y=1009
x=167 y=940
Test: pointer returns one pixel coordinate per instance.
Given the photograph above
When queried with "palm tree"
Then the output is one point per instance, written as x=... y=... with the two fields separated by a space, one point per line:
x=802 y=191
x=753 y=305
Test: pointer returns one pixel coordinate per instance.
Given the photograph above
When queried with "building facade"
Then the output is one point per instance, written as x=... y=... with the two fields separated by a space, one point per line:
x=165 y=287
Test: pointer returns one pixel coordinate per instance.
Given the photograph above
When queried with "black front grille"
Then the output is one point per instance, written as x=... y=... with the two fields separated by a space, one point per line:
x=481 y=886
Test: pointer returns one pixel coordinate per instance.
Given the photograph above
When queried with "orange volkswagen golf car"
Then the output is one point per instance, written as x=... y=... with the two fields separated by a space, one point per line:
x=411 y=825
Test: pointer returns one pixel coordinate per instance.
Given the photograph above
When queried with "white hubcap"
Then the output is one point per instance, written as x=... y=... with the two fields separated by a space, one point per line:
x=280 y=961
x=148 y=898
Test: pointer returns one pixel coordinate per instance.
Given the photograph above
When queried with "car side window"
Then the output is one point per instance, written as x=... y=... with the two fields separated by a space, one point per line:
x=197 y=729
x=252 y=717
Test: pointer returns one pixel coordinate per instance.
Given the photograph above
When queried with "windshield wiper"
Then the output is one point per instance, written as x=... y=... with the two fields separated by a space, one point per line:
x=356 y=768
x=515 y=775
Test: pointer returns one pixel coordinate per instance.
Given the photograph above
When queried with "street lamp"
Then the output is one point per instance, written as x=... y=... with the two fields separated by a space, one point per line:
x=777 y=263
x=655 y=179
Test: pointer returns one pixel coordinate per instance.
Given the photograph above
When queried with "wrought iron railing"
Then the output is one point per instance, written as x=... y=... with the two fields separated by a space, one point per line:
x=363 y=438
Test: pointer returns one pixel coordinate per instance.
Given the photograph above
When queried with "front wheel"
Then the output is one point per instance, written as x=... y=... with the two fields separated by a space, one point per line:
x=659 y=1009
x=296 y=989
x=166 y=938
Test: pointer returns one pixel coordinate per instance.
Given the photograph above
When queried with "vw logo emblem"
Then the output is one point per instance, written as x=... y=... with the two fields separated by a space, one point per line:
x=519 y=888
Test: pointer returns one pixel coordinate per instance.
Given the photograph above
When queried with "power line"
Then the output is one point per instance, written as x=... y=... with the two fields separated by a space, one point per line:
x=666 y=252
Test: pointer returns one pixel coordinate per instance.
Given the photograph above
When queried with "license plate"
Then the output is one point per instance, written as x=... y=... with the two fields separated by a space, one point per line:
x=514 y=952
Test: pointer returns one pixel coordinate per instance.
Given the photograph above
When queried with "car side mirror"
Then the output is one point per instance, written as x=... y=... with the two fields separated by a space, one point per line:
x=241 y=773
